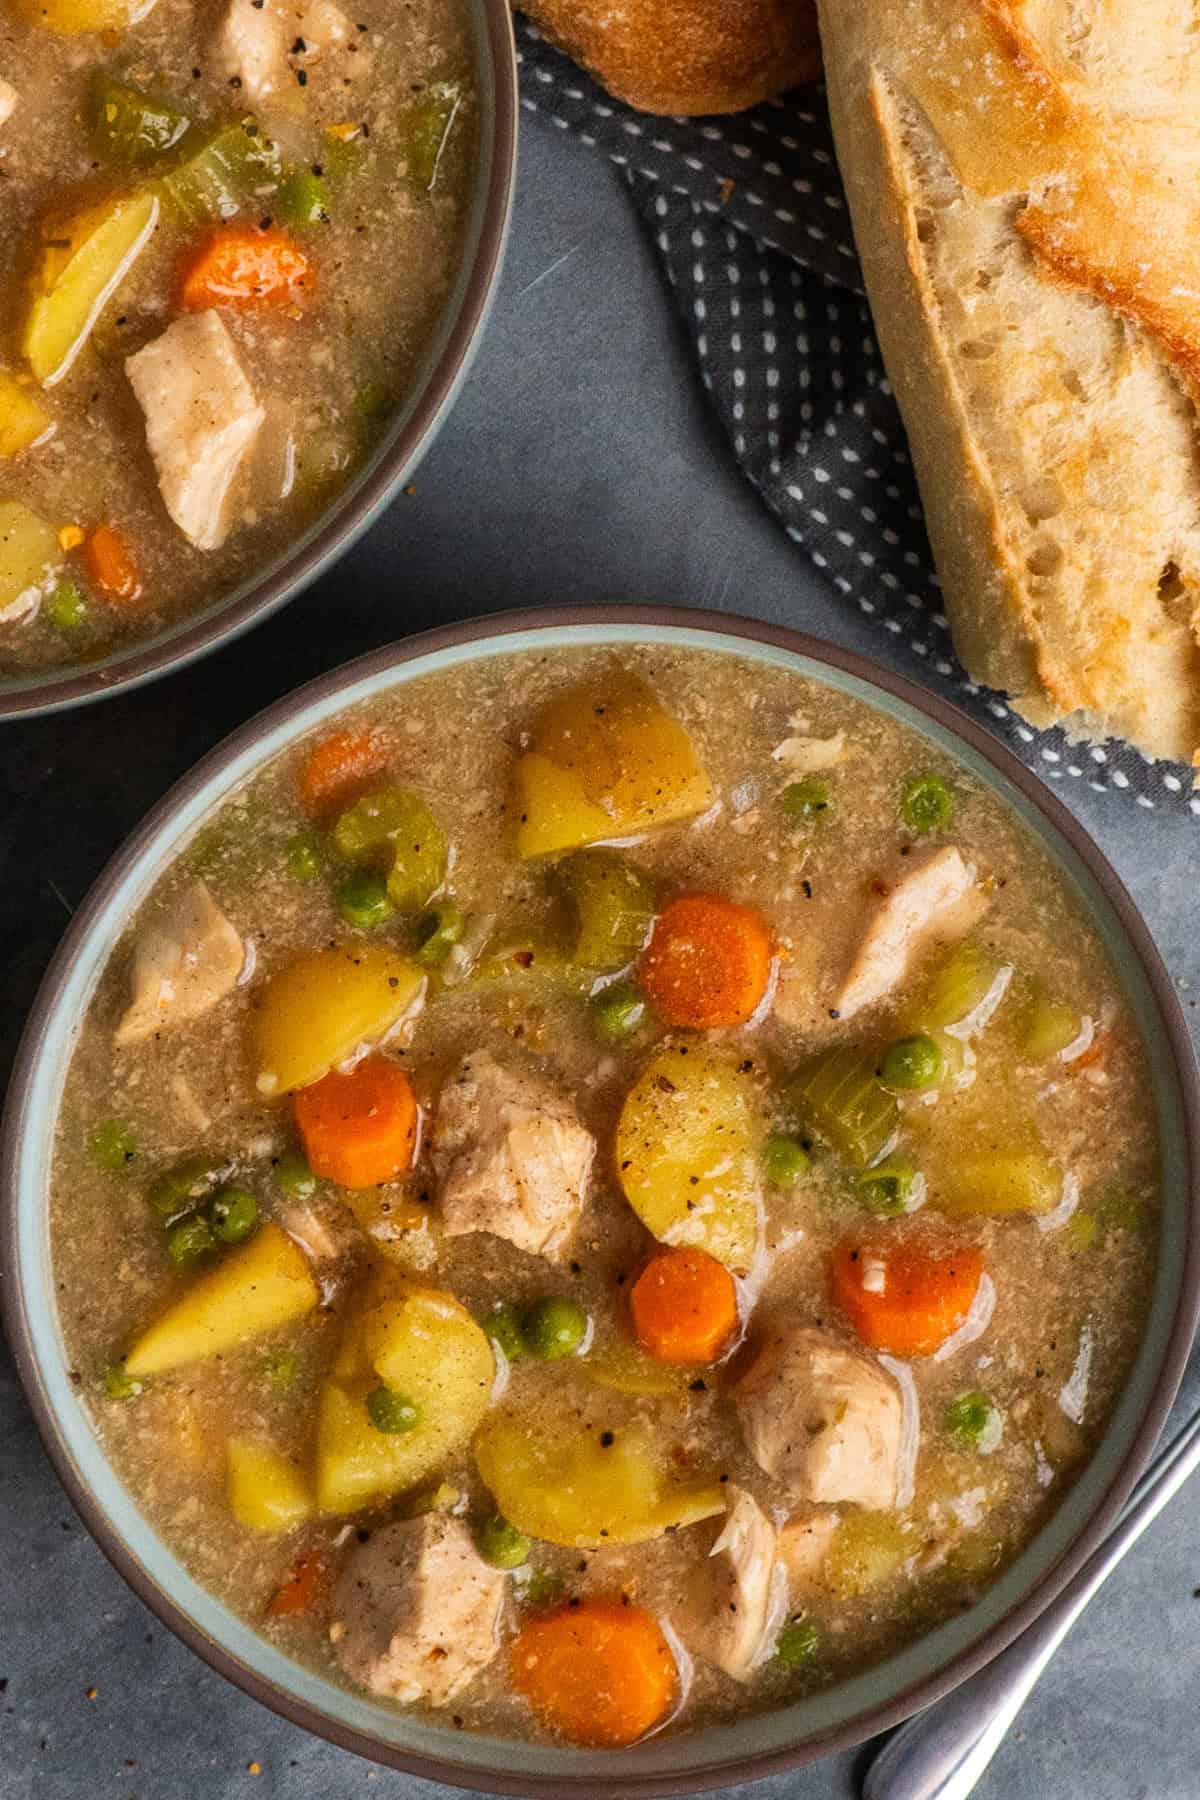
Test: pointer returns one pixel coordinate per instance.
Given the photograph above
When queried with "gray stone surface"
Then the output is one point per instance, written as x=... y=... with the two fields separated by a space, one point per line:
x=579 y=465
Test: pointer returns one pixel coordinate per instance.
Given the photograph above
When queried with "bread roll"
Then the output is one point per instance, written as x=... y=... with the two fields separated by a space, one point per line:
x=1022 y=177
x=686 y=56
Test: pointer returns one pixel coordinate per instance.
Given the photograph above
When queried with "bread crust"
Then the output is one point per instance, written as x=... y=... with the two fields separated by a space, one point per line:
x=686 y=56
x=1021 y=230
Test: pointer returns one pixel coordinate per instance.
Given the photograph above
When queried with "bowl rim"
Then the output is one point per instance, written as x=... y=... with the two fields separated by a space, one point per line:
x=335 y=532
x=1180 y=1062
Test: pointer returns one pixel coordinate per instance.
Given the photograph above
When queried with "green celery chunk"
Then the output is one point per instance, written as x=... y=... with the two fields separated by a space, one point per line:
x=958 y=987
x=114 y=1145
x=65 y=608
x=302 y=200
x=926 y=803
x=393 y=829
x=130 y=127
x=1048 y=1026
x=233 y=167
x=425 y=127
x=438 y=932
x=892 y=1187
x=618 y=1012
x=614 y=906
x=839 y=1097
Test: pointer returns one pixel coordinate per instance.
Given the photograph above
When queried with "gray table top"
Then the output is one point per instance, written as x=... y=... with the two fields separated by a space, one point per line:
x=579 y=465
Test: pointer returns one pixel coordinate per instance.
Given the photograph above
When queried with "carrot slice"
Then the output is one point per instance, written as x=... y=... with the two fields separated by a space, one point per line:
x=684 y=1307
x=301 y=1587
x=337 y=766
x=242 y=265
x=905 y=1300
x=359 y=1129
x=600 y=1671
x=109 y=565
x=708 y=962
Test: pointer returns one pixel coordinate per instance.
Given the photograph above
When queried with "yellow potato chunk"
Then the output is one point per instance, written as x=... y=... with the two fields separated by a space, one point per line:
x=418 y=1343
x=606 y=760
x=867 y=1551
x=23 y=418
x=70 y=17
x=30 y=557
x=266 y=1491
x=1001 y=1182
x=262 y=1284
x=83 y=260
x=688 y=1147
x=554 y=1481
x=322 y=1005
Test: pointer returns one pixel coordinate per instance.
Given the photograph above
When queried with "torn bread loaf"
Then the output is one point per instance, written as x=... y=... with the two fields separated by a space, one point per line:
x=686 y=56
x=1022 y=176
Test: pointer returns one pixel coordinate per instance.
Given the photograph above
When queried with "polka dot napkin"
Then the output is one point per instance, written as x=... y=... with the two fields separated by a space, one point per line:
x=749 y=219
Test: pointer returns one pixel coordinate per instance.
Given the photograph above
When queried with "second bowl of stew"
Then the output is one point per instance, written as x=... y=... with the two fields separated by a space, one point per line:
x=643 y=1181
x=245 y=253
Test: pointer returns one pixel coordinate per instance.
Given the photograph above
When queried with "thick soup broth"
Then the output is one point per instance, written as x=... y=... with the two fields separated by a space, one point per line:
x=860 y=1257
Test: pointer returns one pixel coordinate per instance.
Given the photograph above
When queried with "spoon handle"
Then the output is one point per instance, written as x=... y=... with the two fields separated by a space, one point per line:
x=941 y=1754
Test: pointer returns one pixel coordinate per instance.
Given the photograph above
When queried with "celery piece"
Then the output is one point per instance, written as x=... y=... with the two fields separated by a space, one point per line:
x=426 y=127
x=958 y=987
x=1047 y=1026
x=838 y=1095
x=130 y=127
x=394 y=830
x=224 y=174
x=303 y=200
x=614 y=905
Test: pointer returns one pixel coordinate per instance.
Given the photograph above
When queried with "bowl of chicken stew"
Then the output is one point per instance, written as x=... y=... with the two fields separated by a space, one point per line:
x=643 y=1249
x=246 y=252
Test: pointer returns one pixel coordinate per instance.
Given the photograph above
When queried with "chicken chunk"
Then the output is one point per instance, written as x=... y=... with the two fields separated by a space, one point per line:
x=182 y=966
x=8 y=100
x=202 y=419
x=323 y=26
x=251 y=47
x=416 y=1610
x=803 y=1546
x=822 y=1419
x=740 y=1599
x=933 y=899
x=511 y=1156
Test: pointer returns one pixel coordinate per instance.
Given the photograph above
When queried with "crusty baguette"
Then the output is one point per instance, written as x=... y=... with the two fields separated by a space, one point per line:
x=1022 y=177
x=686 y=56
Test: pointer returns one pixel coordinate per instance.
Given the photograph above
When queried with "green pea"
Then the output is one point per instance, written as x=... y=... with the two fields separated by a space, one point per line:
x=114 y=1145
x=926 y=803
x=892 y=1187
x=281 y=1367
x=808 y=799
x=975 y=1422
x=392 y=1413
x=119 y=1384
x=503 y=1326
x=553 y=1328
x=66 y=609
x=303 y=199
x=363 y=900
x=912 y=1063
x=305 y=856
x=617 y=1012
x=438 y=932
x=234 y=1215
x=294 y=1176
x=190 y=1242
x=797 y=1644
x=501 y=1544
x=181 y=1189
x=785 y=1160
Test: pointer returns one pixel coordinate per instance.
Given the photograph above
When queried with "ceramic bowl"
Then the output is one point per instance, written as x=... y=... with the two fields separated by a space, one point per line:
x=431 y=393
x=748 y=1747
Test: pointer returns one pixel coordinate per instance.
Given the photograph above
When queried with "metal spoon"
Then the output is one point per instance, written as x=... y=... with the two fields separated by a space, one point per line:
x=941 y=1754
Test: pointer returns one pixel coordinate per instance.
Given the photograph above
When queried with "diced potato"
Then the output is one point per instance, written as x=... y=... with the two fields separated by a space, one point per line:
x=554 y=1481
x=267 y=1492
x=30 y=557
x=606 y=760
x=688 y=1143
x=421 y=1344
x=263 y=1284
x=1003 y=1181
x=70 y=17
x=83 y=260
x=23 y=418
x=322 y=1005
x=867 y=1550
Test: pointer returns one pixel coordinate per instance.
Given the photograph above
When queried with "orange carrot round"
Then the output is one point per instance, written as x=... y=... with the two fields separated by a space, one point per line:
x=599 y=1672
x=684 y=1307
x=708 y=962
x=903 y=1299
x=336 y=767
x=245 y=266
x=109 y=565
x=359 y=1129
x=301 y=1587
